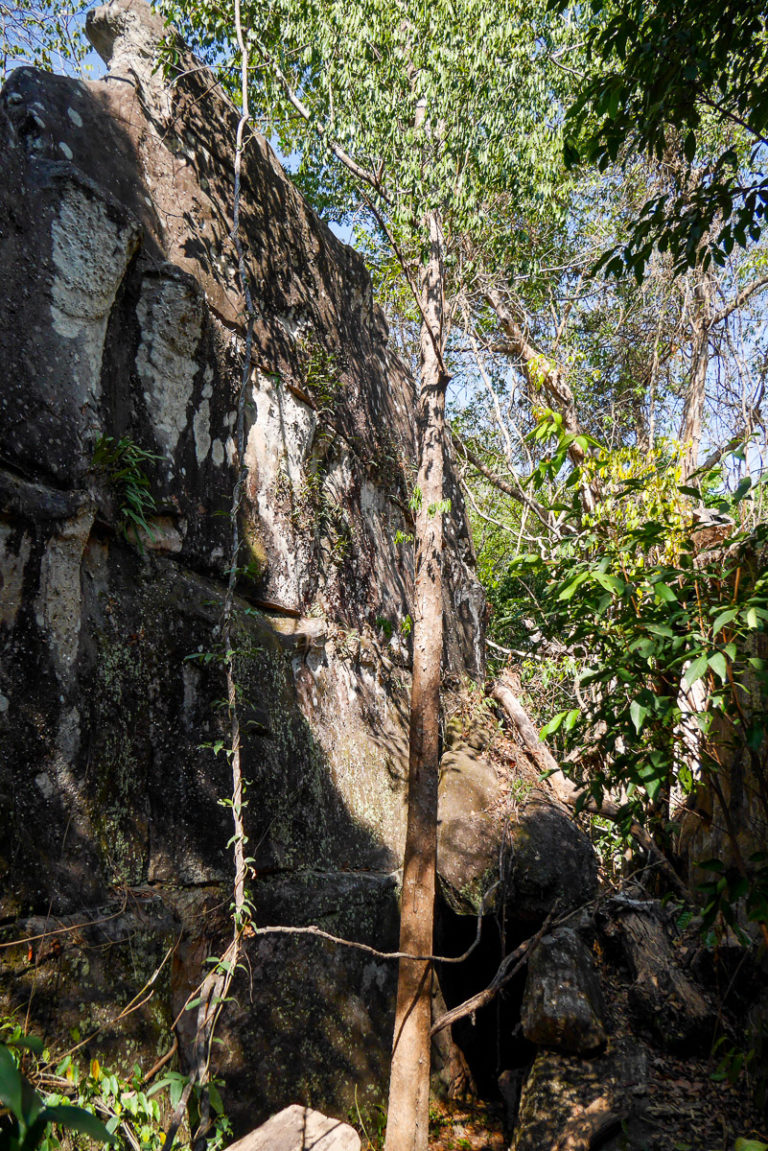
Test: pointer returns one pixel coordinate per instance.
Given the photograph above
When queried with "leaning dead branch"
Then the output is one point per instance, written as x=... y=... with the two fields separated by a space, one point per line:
x=566 y=791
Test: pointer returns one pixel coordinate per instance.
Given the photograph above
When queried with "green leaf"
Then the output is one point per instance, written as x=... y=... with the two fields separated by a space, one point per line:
x=571 y=719
x=718 y=664
x=611 y=583
x=664 y=593
x=661 y=629
x=571 y=588
x=10 y=1083
x=553 y=725
x=724 y=618
x=637 y=713
x=28 y=1043
x=696 y=670
x=76 y=1119
x=715 y=865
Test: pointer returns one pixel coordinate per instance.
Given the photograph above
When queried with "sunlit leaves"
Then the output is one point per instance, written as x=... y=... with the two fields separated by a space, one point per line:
x=444 y=105
x=663 y=74
x=45 y=34
x=665 y=625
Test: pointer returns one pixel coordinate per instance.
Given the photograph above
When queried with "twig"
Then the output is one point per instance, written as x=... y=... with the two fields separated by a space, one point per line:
x=66 y=930
x=162 y=1061
x=320 y=934
x=508 y=968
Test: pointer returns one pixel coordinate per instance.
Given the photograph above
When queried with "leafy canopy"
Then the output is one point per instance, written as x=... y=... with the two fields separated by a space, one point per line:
x=664 y=73
x=46 y=34
x=439 y=106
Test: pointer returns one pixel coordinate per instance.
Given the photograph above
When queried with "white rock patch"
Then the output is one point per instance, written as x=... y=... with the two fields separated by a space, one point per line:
x=91 y=251
x=170 y=315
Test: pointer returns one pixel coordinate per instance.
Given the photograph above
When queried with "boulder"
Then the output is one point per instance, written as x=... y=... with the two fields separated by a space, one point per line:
x=574 y=1104
x=496 y=820
x=299 y=1128
x=550 y=861
x=563 y=1002
x=471 y=829
x=664 y=1000
x=122 y=323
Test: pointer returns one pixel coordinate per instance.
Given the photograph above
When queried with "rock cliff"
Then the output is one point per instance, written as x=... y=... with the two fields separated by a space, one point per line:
x=121 y=339
x=122 y=343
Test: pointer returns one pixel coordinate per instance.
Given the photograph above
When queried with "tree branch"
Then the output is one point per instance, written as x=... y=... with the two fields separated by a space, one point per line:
x=353 y=943
x=567 y=792
x=370 y=178
x=515 y=491
x=738 y=300
x=507 y=970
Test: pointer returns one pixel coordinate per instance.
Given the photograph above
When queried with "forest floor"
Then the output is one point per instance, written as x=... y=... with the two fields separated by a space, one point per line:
x=686 y=1107
x=470 y=1125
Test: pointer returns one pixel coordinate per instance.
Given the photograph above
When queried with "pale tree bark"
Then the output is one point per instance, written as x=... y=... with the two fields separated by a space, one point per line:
x=693 y=412
x=408 y=1111
x=543 y=374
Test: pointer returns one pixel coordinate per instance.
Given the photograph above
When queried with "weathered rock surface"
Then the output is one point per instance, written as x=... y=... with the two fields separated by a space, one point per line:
x=563 y=1001
x=299 y=1128
x=122 y=323
x=551 y=861
x=121 y=320
x=572 y=1104
x=488 y=828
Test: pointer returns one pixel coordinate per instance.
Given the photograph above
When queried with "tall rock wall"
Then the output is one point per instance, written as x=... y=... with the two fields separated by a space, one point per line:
x=122 y=327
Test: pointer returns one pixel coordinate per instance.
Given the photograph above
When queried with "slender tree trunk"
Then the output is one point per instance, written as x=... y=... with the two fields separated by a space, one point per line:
x=693 y=412
x=408 y=1112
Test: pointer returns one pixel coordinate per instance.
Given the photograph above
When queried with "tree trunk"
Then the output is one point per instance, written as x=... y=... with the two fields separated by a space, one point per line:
x=408 y=1111
x=693 y=412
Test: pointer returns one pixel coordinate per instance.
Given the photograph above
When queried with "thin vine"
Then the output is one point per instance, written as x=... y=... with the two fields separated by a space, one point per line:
x=214 y=990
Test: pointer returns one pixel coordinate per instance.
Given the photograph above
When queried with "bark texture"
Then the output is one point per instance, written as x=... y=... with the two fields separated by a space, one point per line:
x=544 y=375
x=693 y=412
x=408 y=1116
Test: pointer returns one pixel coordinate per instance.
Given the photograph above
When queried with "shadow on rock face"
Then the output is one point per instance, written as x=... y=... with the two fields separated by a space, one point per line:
x=122 y=318
x=550 y=862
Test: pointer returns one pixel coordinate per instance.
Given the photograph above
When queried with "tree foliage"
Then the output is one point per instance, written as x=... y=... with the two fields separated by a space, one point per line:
x=667 y=74
x=46 y=34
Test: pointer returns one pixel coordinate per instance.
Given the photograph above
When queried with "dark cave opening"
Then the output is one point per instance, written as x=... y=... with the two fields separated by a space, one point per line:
x=490 y=1040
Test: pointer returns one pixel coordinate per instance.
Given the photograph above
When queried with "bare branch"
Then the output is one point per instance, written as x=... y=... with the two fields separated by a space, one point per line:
x=370 y=178
x=513 y=490
x=738 y=300
x=508 y=969
x=320 y=934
